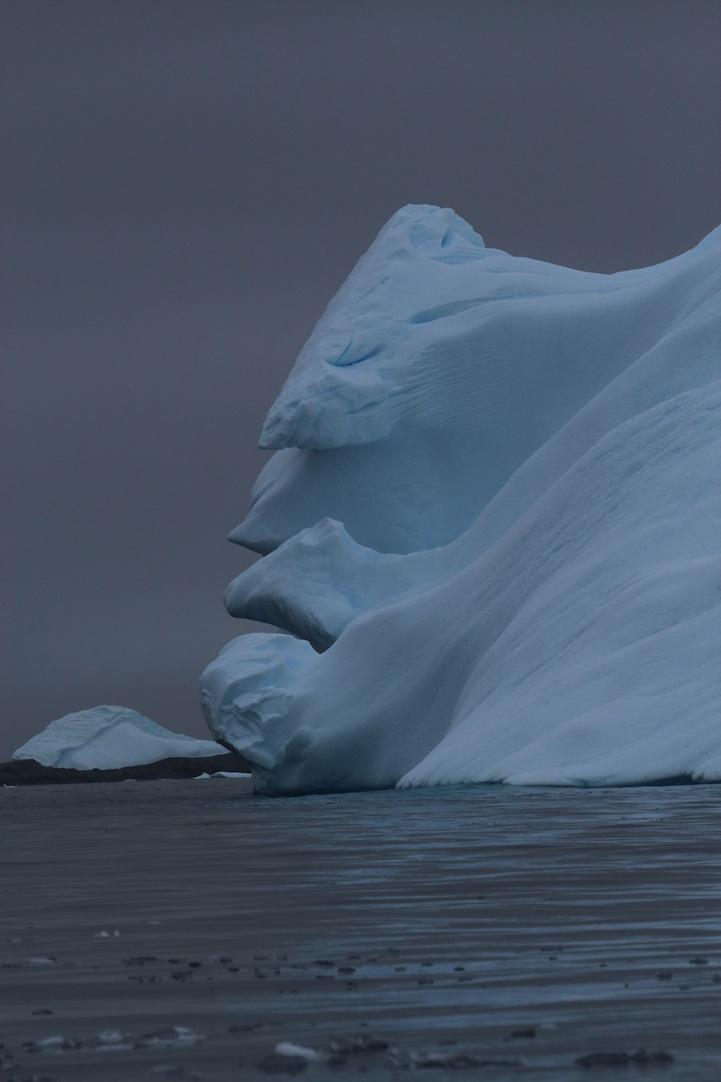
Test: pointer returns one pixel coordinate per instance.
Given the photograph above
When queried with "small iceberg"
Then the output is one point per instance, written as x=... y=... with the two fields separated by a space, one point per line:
x=110 y=738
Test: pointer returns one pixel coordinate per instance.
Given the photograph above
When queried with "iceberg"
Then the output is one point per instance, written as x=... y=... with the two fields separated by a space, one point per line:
x=490 y=530
x=110 y=738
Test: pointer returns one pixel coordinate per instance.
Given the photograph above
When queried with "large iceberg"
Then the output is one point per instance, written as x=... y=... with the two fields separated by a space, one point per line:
x=109 y=738
x=492 y=526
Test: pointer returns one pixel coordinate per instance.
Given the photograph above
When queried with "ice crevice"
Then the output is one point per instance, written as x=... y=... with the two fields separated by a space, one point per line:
x=491 y=525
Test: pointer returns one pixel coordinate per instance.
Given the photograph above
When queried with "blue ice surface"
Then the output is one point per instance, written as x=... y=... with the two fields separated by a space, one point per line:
x=492 y=525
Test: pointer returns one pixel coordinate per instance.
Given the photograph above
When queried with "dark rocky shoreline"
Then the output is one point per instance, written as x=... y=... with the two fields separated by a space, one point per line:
x=29 y=772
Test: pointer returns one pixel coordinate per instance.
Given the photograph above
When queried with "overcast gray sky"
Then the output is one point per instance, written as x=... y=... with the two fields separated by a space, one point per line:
x=185 y=184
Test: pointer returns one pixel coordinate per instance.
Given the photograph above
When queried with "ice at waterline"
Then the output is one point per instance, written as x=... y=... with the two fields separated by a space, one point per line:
x=492 y=524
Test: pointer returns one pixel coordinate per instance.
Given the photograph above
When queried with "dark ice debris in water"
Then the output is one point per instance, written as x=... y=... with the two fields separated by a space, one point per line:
x=458 y=1061
x=54 y=1043
x=641 y=1058
x=172 y=1037
x=274 y=1063
x=354 y=1045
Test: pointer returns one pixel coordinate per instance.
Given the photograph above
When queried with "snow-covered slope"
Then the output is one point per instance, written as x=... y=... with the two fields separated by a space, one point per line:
x=496 y=506
x=108 y=738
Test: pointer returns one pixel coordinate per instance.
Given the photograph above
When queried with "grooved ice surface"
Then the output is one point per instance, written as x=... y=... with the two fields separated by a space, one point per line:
x=107 y=738
x=492 y=525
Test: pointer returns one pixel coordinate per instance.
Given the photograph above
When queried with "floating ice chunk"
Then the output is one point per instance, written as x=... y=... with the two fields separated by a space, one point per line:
x=114 y=1040
x=46 y=1044
x=172 y=1037
x=287 y=1048
x=111 y=1036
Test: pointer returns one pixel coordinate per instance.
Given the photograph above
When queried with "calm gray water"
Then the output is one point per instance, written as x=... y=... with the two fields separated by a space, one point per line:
x=497 y=933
